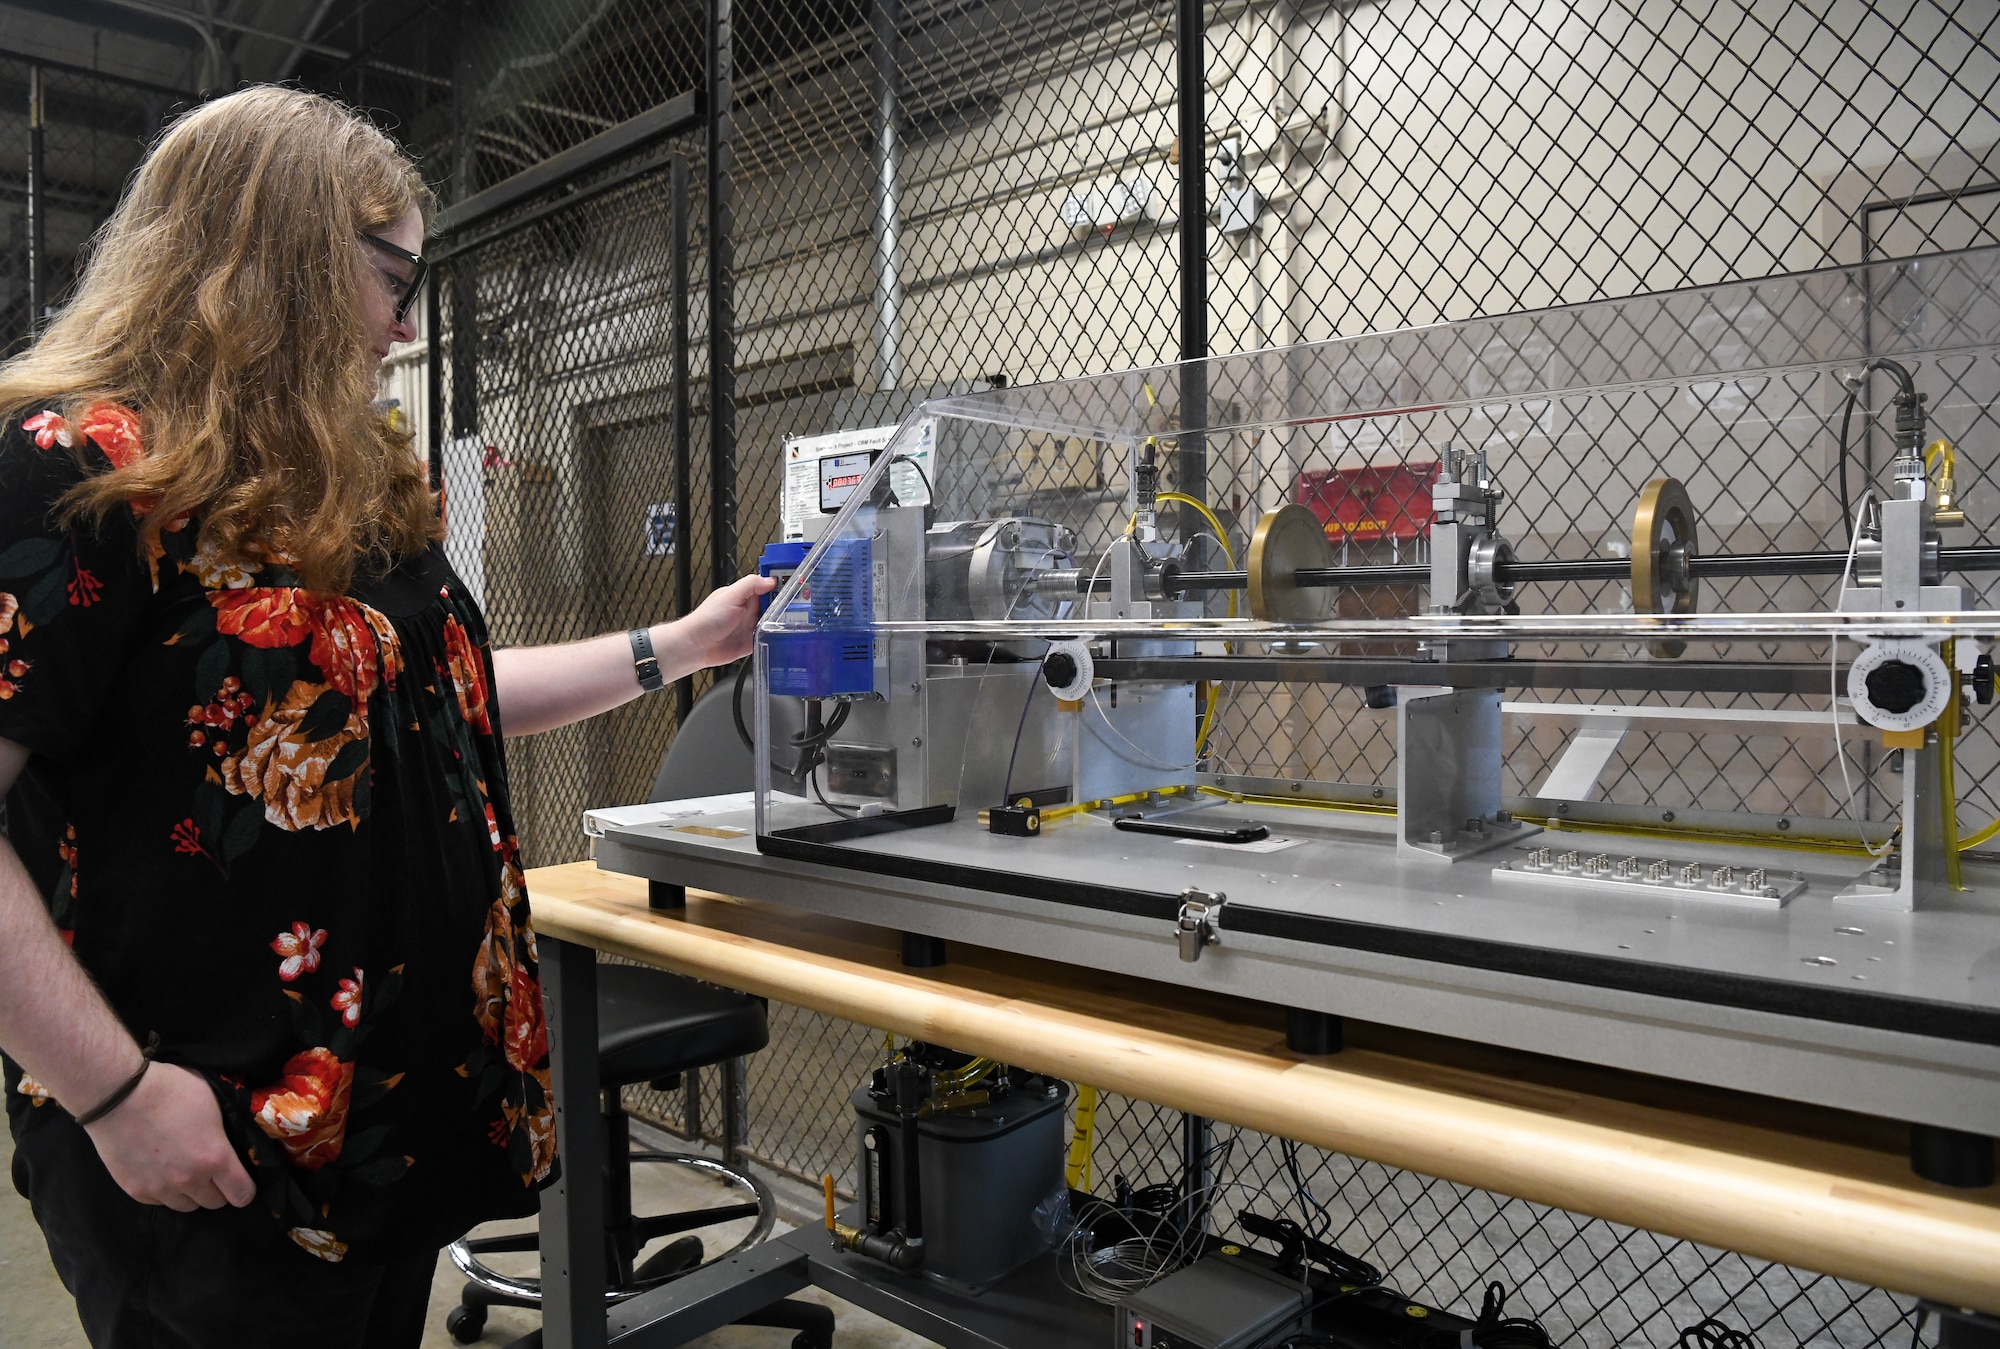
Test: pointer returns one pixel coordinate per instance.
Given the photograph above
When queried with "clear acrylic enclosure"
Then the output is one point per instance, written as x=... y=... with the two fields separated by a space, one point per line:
x=1673 y=598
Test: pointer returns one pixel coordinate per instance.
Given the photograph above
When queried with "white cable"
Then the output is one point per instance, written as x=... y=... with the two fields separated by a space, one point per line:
x=1146 y=760
x=1160 y=1248
x=1152 y=1255
x=1833 y=682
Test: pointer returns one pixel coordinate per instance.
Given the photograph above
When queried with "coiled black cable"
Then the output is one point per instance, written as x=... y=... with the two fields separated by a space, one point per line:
x=1713 y=1334
x=1495 y=1330
x=811 y=742
x=1854 y=386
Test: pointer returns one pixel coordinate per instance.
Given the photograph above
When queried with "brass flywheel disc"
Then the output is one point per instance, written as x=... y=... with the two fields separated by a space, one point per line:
x=1665 y=540
x=1287 y=540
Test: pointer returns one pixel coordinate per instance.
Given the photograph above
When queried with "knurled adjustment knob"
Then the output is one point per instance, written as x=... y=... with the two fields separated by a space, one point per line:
x=1896 y=686
x=1059 y=669
x=1982 y=680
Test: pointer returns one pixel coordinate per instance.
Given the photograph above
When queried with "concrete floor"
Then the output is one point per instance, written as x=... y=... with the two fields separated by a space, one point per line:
x=36 y=1311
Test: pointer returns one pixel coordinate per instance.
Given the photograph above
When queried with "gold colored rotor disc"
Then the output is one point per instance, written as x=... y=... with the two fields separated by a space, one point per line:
x=1665 y=540
x=1287 y=540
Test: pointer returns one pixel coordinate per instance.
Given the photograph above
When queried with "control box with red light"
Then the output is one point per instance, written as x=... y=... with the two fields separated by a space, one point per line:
x=1221 y=1301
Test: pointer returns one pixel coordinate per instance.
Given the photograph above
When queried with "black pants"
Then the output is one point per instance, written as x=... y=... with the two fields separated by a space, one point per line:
x=146 y=1277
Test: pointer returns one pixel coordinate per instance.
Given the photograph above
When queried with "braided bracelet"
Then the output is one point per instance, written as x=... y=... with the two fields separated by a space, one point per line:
x=117 y=1098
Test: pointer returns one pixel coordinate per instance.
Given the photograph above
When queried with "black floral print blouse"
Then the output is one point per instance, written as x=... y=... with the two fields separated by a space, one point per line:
x=273 y=825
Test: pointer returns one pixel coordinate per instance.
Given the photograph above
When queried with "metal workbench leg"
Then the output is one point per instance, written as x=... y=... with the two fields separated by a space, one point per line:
x=1196 y=1139
x=735 y=1109
x=573 y=1273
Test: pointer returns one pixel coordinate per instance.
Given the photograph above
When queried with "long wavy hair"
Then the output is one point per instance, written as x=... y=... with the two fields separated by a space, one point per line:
x=221 y=303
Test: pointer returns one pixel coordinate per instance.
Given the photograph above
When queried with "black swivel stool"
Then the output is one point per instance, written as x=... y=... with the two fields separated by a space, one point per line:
x=653 y=1027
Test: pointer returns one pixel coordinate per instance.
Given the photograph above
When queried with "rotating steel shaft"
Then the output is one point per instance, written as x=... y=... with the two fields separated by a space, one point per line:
x=1583 y=569
x=1290 y=554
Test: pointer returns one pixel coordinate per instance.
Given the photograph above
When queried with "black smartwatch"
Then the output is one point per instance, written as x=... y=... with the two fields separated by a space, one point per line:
x=644 y=663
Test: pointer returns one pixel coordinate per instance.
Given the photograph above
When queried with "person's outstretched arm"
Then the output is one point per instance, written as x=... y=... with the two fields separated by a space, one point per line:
x=539 y=688
x=164 y=1144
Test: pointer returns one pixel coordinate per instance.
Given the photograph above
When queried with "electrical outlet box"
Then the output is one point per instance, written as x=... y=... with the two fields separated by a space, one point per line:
x=1218 y=1302
x=1052 y=463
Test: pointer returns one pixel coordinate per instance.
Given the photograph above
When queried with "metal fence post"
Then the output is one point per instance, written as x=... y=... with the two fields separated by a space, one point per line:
x=677 y=211
x=434 y=383
x=1191 y=448
x=37 y=207
x=465 y=182
x=719 y=149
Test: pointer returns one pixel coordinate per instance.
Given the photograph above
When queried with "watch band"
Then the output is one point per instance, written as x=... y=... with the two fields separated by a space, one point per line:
x=644 y=663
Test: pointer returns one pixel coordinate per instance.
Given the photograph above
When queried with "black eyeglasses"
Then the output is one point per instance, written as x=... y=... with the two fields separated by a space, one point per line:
x=415 y=285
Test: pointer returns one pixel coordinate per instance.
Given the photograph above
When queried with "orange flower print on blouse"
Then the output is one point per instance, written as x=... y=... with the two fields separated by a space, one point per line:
x=320 y=1243
x=264 y=616
x=36 y=1093
x=493 y=971
x=354 y=647
x=468 y=676
x=297 y=770
x=214 y=569
x=299 y=949
x=538 y=1124
x=347 y=1001
x=116 y=431
x=306 y=1111
x=525 y=1034
x=49 y=430
x=10 y=670
x=507 y=1003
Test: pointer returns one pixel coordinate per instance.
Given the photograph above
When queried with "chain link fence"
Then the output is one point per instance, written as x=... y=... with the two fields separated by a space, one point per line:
x=577 y=501
x=93 y=130
x=934 y=195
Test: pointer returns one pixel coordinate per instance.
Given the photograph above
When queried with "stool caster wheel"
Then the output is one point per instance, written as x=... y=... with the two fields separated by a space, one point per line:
x=466 y=1324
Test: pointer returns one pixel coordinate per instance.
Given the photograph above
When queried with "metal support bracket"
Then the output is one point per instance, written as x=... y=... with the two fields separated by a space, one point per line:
x=1200 y=922
x=1448 y=756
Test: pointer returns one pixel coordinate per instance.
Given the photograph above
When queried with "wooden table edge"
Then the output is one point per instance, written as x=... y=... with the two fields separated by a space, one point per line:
x=1913 y=1238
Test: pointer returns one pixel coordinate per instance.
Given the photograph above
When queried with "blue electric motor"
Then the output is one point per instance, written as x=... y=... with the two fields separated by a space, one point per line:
x=834 y=653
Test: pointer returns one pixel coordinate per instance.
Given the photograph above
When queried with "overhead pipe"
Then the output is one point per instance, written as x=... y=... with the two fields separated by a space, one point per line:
x=298 y=51
x=888 y=204
x=218 y=65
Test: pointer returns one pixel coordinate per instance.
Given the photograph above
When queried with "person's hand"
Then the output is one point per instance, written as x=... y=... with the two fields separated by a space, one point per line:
x=165 y=1144
x=722 y=626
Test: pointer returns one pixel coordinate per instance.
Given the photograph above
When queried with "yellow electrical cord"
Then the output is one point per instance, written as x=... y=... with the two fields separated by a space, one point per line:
x=1252 y=799
x=1949 y=725
x=1083 y=807
x=1221 y=537
x=1077 y=1173
x=966 y=1077
x=1985 y=835
x=1947 y=731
